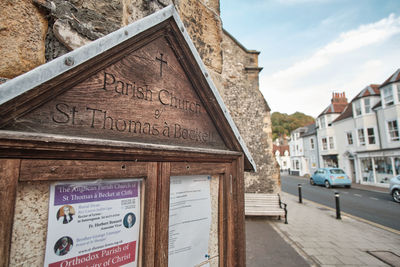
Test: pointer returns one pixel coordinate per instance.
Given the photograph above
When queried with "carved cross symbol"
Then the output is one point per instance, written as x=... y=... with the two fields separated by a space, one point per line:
x=161 y=62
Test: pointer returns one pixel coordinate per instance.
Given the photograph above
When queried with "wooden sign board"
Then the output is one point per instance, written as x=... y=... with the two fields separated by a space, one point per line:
x=145 y=96
x=135 y=104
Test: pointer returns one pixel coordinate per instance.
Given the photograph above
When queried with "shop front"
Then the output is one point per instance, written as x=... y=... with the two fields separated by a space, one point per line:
x=379 y=167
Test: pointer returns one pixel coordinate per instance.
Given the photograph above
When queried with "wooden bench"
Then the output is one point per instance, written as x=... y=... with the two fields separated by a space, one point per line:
x=265 y=205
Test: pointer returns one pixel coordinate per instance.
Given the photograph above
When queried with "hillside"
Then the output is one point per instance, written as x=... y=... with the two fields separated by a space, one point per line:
x=283 y=124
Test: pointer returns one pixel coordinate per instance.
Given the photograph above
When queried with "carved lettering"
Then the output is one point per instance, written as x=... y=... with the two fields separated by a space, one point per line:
x=166 y=130
x=93 y=115
x=101 y=119
x=112 y=83
x=121 y=127
x=134 y=129
x=167 y=98
x=108 y=118
x=64 y=114
x=192 y=134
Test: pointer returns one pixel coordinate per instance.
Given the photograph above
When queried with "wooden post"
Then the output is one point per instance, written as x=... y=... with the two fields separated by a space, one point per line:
x=164 y=170
x=9 y=172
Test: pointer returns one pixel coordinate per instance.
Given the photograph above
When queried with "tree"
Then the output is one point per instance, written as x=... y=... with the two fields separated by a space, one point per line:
x=283 y=124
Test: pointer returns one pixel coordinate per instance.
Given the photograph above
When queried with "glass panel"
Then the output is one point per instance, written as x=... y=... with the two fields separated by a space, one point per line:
x=324 y=144
x=397 y=165
x=366 y=169
x=331 y=143
x=393 y=130
x=358 y=107
x=193 y=219
x=361 y=137
x=367 y=105
x=323 y=125
x=337 y=171
x=388 y=96
x=384 y=171
x=371 y=136
x=349 y=138
x=398 y=92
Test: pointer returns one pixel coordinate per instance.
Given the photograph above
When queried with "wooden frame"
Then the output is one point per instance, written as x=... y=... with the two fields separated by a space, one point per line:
x=32 y=148
x=156 y=199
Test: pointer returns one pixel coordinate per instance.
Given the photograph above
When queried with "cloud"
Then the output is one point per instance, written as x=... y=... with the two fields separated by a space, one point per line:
x=295 y=2
x=355 y=49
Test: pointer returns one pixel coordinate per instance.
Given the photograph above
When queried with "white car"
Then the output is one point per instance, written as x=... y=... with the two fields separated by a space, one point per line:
x=395 y=188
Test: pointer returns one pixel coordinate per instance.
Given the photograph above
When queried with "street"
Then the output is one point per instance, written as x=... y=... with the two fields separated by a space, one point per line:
x=376 y=207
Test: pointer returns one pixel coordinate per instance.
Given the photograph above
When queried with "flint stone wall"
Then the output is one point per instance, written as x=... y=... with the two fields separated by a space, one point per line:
x=51 y=28
x=250 y=112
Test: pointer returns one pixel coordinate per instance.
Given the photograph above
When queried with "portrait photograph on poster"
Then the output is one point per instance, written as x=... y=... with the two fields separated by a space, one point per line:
x=94 y=223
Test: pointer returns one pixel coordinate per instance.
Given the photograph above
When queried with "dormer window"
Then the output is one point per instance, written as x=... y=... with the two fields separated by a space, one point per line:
x=388 y=95
x=357 y=107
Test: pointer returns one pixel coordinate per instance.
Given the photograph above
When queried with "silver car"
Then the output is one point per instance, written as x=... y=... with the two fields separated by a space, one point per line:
x=395 y=188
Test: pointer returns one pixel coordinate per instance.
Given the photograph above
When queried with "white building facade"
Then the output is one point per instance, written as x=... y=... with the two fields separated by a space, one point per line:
x=368 y=136
x=356 y=131
x=282 y=156
x=380 y=164
x=327 y=139
x=303 y=151
x=310 y=145
x=362 y=137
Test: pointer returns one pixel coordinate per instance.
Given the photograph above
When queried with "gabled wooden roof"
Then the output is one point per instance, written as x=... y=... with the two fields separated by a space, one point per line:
x=98 y=83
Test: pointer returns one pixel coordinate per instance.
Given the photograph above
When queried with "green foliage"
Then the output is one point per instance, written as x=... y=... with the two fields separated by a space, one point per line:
x=283 y=124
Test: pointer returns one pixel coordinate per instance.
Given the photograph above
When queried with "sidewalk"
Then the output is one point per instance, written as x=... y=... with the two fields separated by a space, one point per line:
x=266 y=248
x=314 y=232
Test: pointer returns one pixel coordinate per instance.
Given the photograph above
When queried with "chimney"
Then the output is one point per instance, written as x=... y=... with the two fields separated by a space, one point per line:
x=339 y=98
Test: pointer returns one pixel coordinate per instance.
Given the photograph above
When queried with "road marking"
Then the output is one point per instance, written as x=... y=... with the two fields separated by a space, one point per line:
x=358 y=195
x=374 y=198
x=344 y=192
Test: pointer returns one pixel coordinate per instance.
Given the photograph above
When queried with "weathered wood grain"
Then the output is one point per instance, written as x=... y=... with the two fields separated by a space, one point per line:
x=45 y=170
x=138 y=98
x=148 y=236
x=9 y=172
x=162 y=211
x=195 y=168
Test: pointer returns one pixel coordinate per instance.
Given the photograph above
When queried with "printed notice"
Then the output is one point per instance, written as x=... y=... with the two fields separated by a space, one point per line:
x=189 y=220
x=93 y=224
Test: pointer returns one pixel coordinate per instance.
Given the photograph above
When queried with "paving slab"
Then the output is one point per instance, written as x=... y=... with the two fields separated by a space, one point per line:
x=265 y=247
x=314 y=231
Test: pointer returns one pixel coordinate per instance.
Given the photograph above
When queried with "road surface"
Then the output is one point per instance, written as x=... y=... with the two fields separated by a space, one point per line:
x=376 y=207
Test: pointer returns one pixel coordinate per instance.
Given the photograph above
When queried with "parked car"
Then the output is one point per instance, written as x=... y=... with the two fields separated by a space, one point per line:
x=330 y=177
x=394 y=188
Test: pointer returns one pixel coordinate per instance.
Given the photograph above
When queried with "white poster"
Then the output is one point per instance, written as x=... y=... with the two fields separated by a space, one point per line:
x=93 y=223
x=189 y=220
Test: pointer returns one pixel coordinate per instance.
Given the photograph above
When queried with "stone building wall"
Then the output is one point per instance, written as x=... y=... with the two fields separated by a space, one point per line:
x=48 y=29
x=250 y=112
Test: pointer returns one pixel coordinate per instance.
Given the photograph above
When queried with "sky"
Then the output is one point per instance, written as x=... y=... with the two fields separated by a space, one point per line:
x=313 y=48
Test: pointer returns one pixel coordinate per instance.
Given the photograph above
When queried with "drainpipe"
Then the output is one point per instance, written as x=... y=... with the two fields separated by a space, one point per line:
x=317 y=142
x=379 y=129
